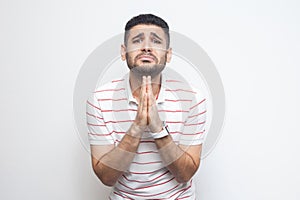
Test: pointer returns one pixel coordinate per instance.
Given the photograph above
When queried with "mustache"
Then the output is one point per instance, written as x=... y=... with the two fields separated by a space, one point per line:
x=145 y=54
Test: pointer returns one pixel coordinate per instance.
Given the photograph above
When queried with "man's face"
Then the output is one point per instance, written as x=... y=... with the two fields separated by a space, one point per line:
x=146 y=50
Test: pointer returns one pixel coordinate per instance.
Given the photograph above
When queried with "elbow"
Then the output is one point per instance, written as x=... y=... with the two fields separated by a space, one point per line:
x=187 y=174
x=105 y=179
x=183 y=179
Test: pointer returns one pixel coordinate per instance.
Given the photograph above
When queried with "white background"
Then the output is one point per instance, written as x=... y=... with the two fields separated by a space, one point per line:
x=254 y=45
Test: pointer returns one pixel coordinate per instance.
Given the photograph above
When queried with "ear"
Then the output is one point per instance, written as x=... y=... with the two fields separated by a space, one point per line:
x=169 y=55
x=123 y=52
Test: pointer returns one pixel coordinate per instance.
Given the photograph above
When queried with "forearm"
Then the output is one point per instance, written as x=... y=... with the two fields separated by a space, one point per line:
x=112 y=164
x=178 y=160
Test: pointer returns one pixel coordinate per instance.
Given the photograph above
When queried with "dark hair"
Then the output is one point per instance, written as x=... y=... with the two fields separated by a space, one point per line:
x=148 y=19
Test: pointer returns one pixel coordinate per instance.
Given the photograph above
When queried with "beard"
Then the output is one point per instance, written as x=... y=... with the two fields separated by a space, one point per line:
x=146 y=68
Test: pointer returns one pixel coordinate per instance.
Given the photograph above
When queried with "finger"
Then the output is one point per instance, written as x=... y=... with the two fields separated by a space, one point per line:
x=142 y=111
x=144 y=85
x=149 y=86
x=150 y=91
x=141 y=104
x=142 y=90
x=145 y=104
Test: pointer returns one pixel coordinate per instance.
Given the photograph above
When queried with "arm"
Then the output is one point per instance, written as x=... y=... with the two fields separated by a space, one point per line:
x=109 y=162
x=181 y=160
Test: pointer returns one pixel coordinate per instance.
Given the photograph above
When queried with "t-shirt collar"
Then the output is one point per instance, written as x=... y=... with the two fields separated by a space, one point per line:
x=161 y=95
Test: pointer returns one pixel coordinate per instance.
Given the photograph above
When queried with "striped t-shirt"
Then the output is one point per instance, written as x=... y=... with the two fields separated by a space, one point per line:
x=111 y=109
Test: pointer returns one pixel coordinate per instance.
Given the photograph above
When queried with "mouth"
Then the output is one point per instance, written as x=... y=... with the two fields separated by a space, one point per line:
x=146 y=58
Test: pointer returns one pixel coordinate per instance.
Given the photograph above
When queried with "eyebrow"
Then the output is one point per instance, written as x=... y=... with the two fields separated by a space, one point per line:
x=137 y=36
x=142 y=34
x=155 y=35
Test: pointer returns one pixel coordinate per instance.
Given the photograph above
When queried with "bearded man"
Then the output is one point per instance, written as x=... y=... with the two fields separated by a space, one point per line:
x=146 y=129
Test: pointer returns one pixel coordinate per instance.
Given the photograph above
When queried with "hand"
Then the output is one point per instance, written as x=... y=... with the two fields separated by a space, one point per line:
x=147 y=114
x=140 y=123
x=153 y=120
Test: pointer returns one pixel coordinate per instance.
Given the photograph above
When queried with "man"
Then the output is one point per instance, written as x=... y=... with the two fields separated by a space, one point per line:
x=146 y=130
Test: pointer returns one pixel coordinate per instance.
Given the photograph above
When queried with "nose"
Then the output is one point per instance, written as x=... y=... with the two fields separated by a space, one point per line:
x=146 y=47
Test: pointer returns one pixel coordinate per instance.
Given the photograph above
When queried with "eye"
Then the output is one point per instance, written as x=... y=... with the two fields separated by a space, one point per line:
x=139 y=40
x=156 y=41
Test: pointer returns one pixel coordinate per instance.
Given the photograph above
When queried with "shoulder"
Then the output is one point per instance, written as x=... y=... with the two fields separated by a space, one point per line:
x=180 y=88
x=108 y=89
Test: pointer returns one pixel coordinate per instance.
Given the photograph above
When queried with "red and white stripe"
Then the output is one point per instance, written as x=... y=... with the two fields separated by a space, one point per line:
x=109 y=115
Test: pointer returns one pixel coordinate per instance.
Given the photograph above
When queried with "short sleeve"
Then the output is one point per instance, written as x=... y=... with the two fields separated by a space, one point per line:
x=194 y=126
x=98 y=133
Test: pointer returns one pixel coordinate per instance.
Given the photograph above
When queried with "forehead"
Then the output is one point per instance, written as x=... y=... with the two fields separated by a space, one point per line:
x=146 y=29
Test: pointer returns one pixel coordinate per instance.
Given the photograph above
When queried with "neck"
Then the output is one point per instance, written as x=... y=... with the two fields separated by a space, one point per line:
x=136 y=82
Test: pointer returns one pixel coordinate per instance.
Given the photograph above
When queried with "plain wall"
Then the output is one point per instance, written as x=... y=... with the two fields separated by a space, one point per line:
x=254 y=45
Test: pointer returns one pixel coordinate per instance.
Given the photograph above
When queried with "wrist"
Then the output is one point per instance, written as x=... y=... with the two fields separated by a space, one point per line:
x=163 y=132
x=135 y=130
x=157 y=127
